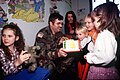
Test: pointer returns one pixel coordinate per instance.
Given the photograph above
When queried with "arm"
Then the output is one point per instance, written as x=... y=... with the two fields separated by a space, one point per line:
x=7 y=65
x=105 y=49
x=12 y=66
x=49 y=46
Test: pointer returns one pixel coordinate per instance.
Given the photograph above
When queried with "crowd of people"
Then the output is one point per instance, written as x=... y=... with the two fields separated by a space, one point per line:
x=99 y=42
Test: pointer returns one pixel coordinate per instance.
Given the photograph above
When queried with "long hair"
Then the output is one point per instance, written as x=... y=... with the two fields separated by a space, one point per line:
x=66 y=17
x=19 y=44
x=108 y=14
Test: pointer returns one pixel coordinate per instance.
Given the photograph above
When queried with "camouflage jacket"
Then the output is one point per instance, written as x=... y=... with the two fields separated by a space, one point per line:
x=49 y=50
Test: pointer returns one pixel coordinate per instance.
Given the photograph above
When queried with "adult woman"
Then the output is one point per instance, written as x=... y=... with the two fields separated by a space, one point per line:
x=70 y=23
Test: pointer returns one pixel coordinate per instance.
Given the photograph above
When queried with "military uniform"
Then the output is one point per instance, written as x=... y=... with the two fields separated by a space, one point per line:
x=49 y=51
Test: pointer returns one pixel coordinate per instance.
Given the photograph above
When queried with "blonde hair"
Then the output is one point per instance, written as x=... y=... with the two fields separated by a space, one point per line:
x=83 y=29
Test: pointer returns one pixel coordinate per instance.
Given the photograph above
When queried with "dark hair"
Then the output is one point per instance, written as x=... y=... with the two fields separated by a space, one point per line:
x=55 y=16
x=109 y=17
x=19 y=44
x=66 y=17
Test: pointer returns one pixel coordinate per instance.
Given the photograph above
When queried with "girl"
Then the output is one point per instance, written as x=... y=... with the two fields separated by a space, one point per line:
x=92 y=32
x=86 y=45
x=102 y=59
x=91 y=27
x=82 y=35
x=12 y=55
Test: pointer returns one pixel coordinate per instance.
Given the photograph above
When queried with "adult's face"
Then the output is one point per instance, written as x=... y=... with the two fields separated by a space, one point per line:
x=56 y=26
x=89 y=24
x=70 y=18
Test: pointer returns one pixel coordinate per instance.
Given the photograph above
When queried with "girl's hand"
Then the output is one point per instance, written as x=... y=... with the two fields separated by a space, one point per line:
x=22 y=58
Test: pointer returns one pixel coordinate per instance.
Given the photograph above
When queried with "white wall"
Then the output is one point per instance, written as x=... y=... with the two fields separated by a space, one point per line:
x=96 y=3
x=80 y=4
x=30 y=29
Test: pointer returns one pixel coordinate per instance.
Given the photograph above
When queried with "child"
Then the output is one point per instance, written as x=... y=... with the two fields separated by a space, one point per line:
x=85 y=42
x=12 y=55
x=91 y=27
x=93 y=33
x=103 y=57
x=82 y=35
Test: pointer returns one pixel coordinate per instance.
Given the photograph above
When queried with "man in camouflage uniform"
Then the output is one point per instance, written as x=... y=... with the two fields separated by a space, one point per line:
x=50 y=40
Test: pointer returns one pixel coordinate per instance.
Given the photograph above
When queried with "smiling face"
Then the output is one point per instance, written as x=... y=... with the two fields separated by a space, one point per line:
x=9 y=38
x=89 y=23
x=56 y=26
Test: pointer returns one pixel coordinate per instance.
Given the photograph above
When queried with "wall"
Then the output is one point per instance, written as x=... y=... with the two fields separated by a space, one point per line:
x=81 y=8
x=30 y=29
x=96 y=3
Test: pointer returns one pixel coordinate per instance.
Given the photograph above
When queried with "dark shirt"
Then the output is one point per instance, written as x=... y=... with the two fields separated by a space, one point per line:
x=49 y=50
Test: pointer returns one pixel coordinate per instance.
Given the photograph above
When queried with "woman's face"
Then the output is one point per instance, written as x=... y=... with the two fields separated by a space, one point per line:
x=70 y=18
x=89 y=24
x=97 y=22
x=9 y=37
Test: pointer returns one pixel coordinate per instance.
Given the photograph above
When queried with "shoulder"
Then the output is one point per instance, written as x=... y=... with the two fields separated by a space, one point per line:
x=43 y=32
x=43 y=29
x=1 y=52
x=106 y=34
x=85 y=41
x=1 y=49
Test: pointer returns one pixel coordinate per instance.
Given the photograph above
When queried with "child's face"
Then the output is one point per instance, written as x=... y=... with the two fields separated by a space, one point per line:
x=80 y=35
x=89 y=24
x=9 y=37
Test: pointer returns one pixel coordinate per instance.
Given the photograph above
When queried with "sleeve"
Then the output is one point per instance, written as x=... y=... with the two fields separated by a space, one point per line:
x=46 y=50
x=104 y=51
x=7 y=65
